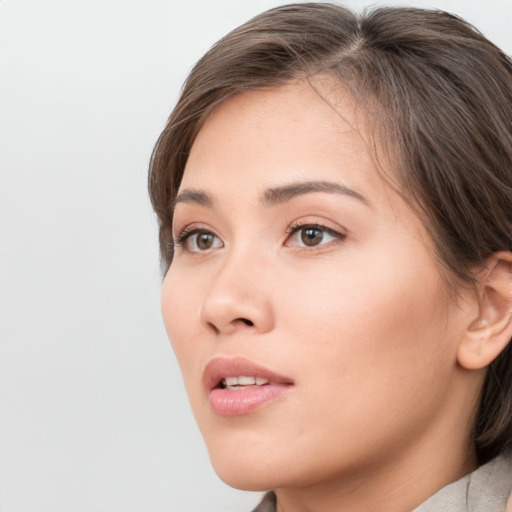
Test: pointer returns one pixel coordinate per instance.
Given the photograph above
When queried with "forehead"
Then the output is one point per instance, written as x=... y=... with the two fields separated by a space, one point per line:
x=289 y=133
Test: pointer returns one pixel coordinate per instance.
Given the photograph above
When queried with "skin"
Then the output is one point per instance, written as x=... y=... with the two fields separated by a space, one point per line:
x=380 y=413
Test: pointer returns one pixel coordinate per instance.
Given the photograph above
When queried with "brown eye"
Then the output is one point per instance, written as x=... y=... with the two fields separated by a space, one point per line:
x=311 y=236
x=204 y=241
x=199 y=240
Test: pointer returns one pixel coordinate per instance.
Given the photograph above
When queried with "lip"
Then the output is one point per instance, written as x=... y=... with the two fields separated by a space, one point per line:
x=227 y=402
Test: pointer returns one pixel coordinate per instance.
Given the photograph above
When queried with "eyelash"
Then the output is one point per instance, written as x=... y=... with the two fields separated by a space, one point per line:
x=187 y=232
x=298 y=226
x=294 y=228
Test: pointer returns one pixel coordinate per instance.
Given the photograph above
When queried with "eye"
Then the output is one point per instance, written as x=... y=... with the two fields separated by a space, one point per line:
x=312 y=235
x=198 y=240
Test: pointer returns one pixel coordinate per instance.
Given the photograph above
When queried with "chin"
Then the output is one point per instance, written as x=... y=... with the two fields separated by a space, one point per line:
x=245 y=473
x=247 y=484
x=246 y=470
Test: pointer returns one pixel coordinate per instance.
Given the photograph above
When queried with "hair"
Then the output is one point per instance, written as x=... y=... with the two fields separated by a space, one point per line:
x=438 y=95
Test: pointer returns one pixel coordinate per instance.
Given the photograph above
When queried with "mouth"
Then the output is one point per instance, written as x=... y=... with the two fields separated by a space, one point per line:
x=242 y=382
x=238 y=386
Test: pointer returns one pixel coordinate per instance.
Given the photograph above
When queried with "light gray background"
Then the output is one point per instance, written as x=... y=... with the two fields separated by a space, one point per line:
x=94 y=416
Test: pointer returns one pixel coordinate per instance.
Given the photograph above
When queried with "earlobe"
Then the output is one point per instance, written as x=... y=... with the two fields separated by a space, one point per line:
x=490 y=332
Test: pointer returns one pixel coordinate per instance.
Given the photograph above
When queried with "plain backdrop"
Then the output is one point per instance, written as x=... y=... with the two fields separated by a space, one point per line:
x=94 y=416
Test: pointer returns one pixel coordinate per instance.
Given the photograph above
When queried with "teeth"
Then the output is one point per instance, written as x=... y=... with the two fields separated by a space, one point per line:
x=246 y=381
x=243 y=380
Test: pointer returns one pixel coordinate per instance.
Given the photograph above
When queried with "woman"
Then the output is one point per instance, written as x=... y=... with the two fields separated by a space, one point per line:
x=334 y=194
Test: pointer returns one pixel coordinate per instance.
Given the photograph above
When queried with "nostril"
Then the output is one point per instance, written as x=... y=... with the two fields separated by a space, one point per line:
x=236 y=321
x=246 y=322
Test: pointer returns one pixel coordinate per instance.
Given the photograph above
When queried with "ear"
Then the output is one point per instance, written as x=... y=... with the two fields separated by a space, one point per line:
x=491 y=330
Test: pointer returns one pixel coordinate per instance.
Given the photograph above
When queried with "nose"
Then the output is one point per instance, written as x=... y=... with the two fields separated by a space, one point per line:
x=239 y=297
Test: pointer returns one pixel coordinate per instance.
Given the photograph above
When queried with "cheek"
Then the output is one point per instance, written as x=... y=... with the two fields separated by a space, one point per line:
x=378 y=332
x=362 y=300
x=373 y=293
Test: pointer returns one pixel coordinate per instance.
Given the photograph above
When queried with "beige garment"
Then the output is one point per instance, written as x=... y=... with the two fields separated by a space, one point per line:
x=267 y=504
x=488 y=489
x=485 y=490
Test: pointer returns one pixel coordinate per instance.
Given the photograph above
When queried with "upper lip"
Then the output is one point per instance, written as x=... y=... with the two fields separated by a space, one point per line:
x=219 y=368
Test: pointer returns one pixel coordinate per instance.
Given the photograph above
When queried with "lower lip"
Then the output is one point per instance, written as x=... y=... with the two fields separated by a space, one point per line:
x=226 y=402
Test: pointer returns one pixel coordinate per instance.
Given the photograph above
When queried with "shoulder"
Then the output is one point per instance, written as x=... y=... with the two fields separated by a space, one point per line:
x=487 y=489
x=267 y=504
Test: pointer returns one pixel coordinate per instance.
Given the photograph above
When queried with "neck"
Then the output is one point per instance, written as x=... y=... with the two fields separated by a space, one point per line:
x=400 y=484
x=402 y=491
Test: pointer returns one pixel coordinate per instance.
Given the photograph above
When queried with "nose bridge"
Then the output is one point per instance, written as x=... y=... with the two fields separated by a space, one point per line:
x=238 y=296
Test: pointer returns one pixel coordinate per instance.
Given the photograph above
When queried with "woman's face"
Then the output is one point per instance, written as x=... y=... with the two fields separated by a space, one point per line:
x=299 y=269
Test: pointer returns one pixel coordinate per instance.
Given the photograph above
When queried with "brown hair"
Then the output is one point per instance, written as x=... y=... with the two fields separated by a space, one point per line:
x=439 y=96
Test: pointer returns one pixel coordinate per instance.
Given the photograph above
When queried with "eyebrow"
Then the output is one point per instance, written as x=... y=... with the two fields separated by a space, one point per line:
x=276 y=195
x=284 y=193
x=191 y=195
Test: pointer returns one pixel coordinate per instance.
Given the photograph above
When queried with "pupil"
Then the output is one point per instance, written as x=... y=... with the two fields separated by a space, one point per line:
x=312 y=236
x=204 y=241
